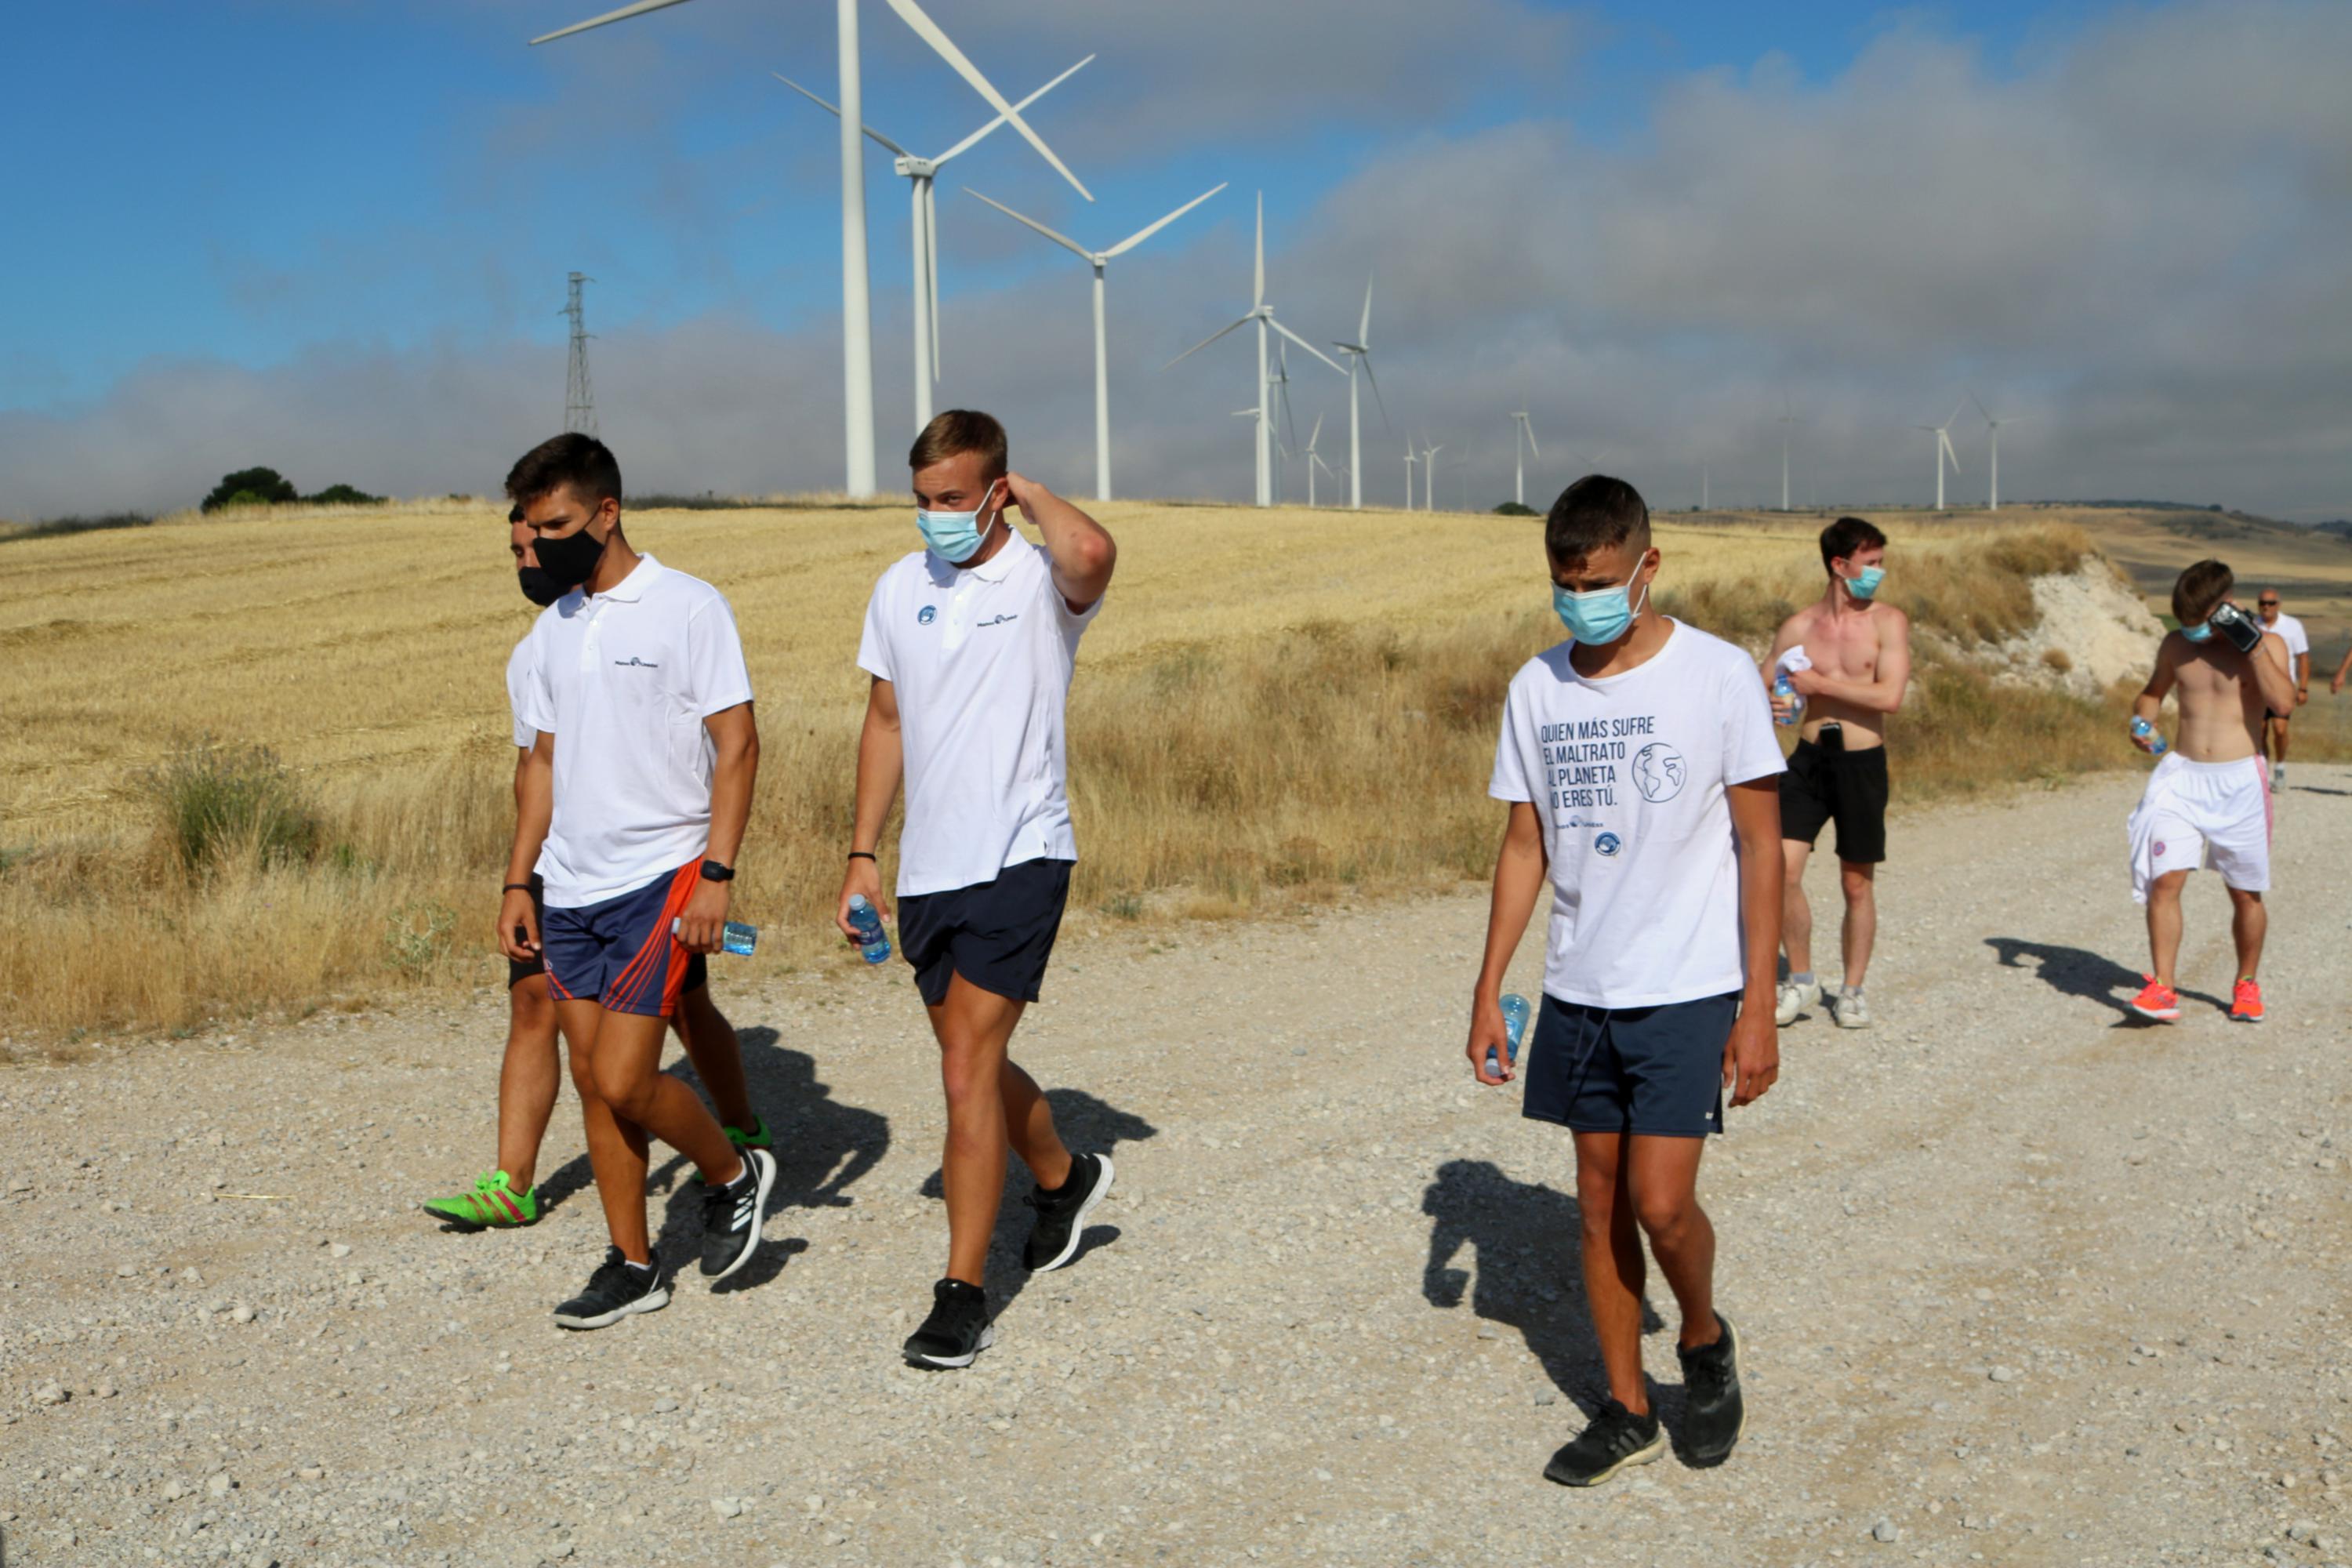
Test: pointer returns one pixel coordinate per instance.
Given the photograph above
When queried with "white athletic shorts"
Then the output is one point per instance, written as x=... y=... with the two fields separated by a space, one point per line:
x=2203 y=816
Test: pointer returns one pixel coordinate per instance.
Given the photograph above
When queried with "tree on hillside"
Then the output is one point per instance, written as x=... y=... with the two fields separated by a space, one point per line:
x=251 y=487
x=1514 y=509
x=343 y=495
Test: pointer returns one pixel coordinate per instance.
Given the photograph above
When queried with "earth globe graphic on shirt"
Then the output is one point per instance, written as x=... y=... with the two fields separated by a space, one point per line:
x=1659 y=771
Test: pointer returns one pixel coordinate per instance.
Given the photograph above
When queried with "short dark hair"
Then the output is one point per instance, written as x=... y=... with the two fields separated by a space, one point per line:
x=958 y=431
x=1843 y=538
x=514 y=514
x=2200 y=588
x=580 y=461
x=1596 y=513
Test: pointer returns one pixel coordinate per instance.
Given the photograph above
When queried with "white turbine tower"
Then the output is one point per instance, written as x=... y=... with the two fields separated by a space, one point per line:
x=856 y=310
x=1520 y=426
x=1315 y=459
x=1944 y=453
x=1277 y=392
x=1409 y=461
x=921 y=174
x=1992 y=432
x=1429 y=475
x=1263 y=315
x=1785 y=420
x=1360 y=352
x=1098 y=259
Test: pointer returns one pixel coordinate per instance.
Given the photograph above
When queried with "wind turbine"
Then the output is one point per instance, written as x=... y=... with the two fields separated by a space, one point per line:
x=1943 y=452
x=1409 y=461
x=1992 y=431
x=1098 y=259
x=856 y=310
x=1702 y=487
x=1263 y=315
x=1315 y=459
x=1520 y=426
x=920 y=173
x=1429 y=474
x=1360 y=352
x=1785 y=420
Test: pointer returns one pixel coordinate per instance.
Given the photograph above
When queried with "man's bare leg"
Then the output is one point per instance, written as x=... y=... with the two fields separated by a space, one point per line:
x=991 y=1104
x=1796 y=914
x=2250 y=923
x=627 y=1100
x=1662 y=1175
x=1859 y=882
x=2164 y=926
x=1614 y=1271
x=528 y=1079
x=716 y=1055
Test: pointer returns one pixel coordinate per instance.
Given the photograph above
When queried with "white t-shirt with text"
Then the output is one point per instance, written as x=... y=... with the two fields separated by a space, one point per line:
x=981 y=659
x=624 y=681
x=1627 y=773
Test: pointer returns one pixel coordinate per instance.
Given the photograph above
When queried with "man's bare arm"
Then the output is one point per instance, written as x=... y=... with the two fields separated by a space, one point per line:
x=1083 y=551
x=881 y=759
x=735 y=767
x=1751 y=1057
x=1519 y=869
x=534 y=787
x=2272 y=673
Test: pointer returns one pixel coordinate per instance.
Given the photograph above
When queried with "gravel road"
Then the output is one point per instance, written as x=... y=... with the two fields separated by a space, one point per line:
x=2020 y=1280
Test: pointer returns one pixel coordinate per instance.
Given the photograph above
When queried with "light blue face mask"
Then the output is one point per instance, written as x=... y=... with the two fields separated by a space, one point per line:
x=955 y=536
x=1600 y=616
x=2198 y=631
x=1865 y=583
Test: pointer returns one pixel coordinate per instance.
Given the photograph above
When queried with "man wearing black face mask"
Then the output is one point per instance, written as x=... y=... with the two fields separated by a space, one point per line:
x=507 y=1195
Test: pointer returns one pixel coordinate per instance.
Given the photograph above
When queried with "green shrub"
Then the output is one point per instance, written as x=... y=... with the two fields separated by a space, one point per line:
x=1516 y=509
x=211 y=800
x=343 y=495
x=250 y=487
x=416 y=936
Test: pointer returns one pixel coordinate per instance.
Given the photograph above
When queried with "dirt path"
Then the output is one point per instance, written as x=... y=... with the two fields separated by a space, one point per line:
x=2020 y=1283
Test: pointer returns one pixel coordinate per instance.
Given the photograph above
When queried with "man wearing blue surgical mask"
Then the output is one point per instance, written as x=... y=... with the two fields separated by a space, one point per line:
x=1847 y=658
x=970 y=643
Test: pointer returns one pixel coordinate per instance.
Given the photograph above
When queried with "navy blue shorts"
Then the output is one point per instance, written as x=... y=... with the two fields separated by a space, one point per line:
x=518 y=971
x=997 y=935
x=621 y=953
x=1652 y=1071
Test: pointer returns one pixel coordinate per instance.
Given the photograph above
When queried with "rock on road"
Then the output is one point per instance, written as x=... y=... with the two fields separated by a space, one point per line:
x=2020 y=1280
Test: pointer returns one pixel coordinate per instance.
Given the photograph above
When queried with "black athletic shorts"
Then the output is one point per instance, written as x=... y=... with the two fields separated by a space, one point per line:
x=997 y=935
x=697 y=971
x=1828 y=783
x=1651 y=1071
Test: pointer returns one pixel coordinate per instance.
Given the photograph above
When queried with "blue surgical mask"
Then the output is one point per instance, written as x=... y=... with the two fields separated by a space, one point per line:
x=1600 y=616
x=2198 y=631
x=1865 y=583
x=954 y=536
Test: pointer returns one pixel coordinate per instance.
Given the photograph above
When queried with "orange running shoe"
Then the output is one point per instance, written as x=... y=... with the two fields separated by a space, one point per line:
x=2161 y=1003
x=2246 y=1001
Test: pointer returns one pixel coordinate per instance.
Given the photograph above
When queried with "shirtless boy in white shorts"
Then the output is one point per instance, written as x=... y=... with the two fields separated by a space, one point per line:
x=2208 y=804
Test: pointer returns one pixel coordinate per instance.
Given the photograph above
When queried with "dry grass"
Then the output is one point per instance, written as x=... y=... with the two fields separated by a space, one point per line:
x=1274 y=707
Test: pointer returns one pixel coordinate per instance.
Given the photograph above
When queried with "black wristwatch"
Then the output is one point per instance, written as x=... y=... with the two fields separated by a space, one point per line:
x=712 y=871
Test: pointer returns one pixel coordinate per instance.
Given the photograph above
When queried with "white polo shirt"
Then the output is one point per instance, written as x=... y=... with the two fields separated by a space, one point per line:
x=2298 y=641
x=519 y=679
x=1628 y=774
x=623 y=682
x=981 y=659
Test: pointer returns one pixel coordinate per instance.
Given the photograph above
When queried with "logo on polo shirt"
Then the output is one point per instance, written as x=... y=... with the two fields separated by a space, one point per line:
x=1659 y=771
x=634 y=662
x=999 y=621
x=927 y=614
x=1607 y=844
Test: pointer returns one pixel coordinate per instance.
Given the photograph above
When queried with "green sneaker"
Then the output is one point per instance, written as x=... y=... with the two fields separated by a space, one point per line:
x=758 y=1138
x=493 y=1205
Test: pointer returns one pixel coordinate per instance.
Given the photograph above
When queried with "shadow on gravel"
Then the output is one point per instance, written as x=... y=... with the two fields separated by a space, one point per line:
x=1090 y=1126
x=1530 y=1277
x=2090 y=975
x=2318 y=789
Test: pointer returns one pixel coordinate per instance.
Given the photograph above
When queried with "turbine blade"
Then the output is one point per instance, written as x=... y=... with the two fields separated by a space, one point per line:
x=1316 y=433
x=1364 y=327
x=1060 y=240
x=944 y=47
x=931 y=264
x=871 y=134
x=1258 y=297
x=623 y=14
x=1531 y=436
x=966 y=144
x=1377 y=401
x=1303 y=344
x=1980 y=409
x=1212 y=338
x=1132 y=240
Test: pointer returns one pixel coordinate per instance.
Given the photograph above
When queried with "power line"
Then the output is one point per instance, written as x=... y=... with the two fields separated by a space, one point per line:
x=579 y=398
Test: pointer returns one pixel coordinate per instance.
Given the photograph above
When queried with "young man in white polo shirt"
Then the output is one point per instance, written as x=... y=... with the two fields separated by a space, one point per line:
x=970 y=643
x=631 y=807
x=1641 y=773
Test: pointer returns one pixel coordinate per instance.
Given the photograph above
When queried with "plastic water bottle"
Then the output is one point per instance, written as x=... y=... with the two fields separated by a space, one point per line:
x=734 y=937
x=1515 y=1013
x=1788 y=693
x=871 y=944
x=2141 y=729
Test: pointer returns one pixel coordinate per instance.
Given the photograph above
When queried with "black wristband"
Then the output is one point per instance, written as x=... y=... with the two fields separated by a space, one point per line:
x=863 y=855
x=516 y=888
x=712 y=871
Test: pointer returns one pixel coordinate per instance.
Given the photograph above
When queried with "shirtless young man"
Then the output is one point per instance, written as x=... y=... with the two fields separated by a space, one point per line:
x=1849 y=658
x=2209 y=802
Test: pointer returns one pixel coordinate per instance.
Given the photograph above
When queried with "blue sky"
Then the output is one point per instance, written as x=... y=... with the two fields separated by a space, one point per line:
x=248 y=193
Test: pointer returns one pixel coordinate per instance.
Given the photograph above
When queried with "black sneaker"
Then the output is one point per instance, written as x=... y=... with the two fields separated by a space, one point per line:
x=1616 y=1438
x=732 y=1216
x=1713 y=1410
x=957 y=1330
x=615 y=1291
x=1062 y=1214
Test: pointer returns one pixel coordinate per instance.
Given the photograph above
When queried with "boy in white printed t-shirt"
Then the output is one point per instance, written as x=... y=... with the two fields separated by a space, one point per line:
x=970 y=643
x=630 y=806
x=1643 y=774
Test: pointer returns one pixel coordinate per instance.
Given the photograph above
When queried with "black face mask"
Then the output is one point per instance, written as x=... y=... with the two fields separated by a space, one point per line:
x=538 y=586
x=570 y=560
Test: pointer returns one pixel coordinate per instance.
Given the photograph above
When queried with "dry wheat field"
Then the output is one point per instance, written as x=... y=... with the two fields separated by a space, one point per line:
x=260 y=761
